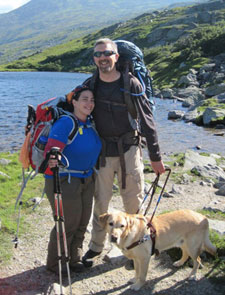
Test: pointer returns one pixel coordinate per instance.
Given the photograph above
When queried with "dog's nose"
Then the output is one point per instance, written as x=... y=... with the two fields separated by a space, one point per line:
x=113 y=239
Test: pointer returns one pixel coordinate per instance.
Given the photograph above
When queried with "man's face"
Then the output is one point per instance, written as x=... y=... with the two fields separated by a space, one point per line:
x=106 y=64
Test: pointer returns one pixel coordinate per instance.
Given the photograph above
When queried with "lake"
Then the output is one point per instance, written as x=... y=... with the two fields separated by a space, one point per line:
x=18 y=89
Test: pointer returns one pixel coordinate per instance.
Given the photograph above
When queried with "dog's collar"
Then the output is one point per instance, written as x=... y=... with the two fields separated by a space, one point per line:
x=141 y=241
x=145 y=239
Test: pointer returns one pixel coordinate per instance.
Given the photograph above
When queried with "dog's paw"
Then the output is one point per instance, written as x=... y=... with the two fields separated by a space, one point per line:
x=132 y=281
x=192 y=278
x=137 y=286
x=177 y=263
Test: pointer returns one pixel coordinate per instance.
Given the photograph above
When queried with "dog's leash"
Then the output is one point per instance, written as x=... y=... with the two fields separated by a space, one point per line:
x=153 y=189
x=160 y=195
x=152 y=235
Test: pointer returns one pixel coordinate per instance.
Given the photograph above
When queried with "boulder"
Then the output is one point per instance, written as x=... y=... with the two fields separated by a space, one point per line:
x=209 y=171
x=221 y=191
x=190 y=79
x=216 y=206
x=193 y=159
x=4 y=162
x=190 y=116
x=215 y=90
x=213 y=115
x=167 y=93
x=207 y=67
x=192 y=94
x=176 y=114
x=217 y=225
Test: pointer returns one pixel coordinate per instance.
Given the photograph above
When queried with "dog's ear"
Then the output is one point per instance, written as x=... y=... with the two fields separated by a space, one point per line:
x=129 y=224
x=103 y=219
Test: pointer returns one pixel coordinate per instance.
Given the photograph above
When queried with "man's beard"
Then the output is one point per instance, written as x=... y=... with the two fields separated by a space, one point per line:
x=105 y=69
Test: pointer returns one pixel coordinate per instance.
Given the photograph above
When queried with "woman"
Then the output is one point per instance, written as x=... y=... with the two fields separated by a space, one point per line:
x=77 y=181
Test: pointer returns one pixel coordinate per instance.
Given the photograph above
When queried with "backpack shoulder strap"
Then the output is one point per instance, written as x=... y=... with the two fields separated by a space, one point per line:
x=127 y=96
x=75 y=128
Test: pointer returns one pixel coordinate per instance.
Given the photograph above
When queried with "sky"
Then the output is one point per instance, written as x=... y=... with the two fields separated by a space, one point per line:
x=8 y=5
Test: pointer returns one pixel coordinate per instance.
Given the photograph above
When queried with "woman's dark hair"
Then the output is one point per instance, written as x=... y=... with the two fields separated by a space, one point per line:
x=74 y=94
x=77 y=91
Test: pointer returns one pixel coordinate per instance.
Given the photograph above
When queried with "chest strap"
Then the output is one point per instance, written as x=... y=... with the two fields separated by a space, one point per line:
x=131 y=138
x=145 y=239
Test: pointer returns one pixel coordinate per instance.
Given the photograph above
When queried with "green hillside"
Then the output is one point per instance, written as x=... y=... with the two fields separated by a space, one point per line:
x=42 y=24
x=168 y=38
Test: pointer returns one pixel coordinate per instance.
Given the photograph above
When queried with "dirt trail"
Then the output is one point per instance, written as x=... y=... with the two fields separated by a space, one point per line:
x=26 y=273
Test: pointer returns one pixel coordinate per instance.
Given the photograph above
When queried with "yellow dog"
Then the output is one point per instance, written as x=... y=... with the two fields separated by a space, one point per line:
x=185 y=229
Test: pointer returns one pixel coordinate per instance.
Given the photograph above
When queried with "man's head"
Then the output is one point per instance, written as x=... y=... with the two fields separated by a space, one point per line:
x=105 y=55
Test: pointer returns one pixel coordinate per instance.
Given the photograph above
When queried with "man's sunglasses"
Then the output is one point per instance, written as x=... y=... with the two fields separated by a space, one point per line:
x=105 y=53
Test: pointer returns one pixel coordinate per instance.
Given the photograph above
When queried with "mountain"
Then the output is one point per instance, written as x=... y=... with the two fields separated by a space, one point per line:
x=173 y=42
x=41 y=24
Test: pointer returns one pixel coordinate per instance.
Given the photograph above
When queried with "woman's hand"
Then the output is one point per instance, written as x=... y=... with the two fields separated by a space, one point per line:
x=53 y=163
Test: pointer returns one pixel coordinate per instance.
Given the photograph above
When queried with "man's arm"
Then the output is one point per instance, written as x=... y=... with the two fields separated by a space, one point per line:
x=148 y=127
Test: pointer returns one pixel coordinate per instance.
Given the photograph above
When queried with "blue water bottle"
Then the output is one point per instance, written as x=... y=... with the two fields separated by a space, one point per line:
x=41 y=143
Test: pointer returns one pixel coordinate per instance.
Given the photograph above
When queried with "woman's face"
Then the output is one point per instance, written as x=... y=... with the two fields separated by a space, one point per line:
x=84 y=105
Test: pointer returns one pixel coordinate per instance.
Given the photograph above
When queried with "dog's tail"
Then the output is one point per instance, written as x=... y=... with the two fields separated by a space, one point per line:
x=208 y=246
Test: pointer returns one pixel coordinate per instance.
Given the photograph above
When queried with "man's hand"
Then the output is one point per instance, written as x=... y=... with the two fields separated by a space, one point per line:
x=158 y=167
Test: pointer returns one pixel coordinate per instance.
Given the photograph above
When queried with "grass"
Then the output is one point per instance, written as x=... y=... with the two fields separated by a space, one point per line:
x=9 y=189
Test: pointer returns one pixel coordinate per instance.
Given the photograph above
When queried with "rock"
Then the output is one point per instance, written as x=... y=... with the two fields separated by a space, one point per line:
x=209 y=171
x=216 y=206
x=190 y=116
x=54 y=289
x=186 y=178
x=36 y=200
x=217 y=225
x=167 y=93
x=193 y=71
x=213 y=115
x=176 y=114
x=219 y=184
x=220 y=126
x=220 y=96
x=192 y=94
x=221 y=191
x=4 y=175
x=219 y=134
x=188 y=80
x=4 y=162
x=193 y=159
x=215 y=90
x=207 y=67
x=167 y=195
x=176 y=190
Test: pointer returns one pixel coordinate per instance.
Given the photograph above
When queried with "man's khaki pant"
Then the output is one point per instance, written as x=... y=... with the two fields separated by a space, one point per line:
x=131 y=195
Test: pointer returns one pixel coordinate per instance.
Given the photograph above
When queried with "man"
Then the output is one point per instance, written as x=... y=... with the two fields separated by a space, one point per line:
x=121 y=152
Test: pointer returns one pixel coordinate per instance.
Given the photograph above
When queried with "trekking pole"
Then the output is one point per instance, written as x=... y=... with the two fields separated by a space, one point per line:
x=59 y=218
x=16 y=240
x=160 y=195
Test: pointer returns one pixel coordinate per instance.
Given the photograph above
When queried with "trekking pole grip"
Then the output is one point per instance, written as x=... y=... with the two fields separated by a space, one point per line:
x=54 y=154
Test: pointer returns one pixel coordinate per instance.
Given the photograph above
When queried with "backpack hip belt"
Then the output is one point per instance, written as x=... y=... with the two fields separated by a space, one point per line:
x=130 y=138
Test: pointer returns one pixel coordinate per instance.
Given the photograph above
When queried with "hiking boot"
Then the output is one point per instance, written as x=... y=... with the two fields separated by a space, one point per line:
x=129 y=265
x=87 y=259
x=77 y=267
